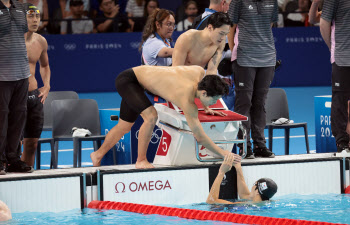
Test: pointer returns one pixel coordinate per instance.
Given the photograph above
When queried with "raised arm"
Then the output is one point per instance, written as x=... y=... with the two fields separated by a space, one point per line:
x=215 y=60
x=45 y=71
x=181 y=49
x=243 y=191
x=213 y=196
x=103 y=27
x=314 y=14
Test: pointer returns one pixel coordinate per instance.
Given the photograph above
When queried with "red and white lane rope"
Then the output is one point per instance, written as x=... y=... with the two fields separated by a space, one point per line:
x=200 y=214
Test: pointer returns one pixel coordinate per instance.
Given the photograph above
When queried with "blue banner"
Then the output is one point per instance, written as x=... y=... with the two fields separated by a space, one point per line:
x=90 y=63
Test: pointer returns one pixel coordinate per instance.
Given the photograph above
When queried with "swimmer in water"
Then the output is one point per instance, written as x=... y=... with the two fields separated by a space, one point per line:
x=262 y=190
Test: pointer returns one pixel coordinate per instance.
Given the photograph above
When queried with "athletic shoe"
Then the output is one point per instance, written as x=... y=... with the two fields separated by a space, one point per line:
x=80 y=132
x=19 y=167
x=2 y=169
x=249 y=153
x=343 y=146
x=263 y=152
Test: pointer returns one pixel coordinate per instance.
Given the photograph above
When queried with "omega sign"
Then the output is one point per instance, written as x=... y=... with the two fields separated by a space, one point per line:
x=151 y=185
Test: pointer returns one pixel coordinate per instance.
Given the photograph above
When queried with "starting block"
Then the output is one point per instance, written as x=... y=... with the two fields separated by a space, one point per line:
x=178 y=146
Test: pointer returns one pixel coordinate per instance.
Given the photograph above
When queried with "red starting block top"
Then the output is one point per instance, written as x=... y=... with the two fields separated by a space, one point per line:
x=231 y=116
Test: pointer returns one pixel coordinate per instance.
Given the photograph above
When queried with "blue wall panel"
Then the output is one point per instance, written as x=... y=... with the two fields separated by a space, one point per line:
x=90 y=63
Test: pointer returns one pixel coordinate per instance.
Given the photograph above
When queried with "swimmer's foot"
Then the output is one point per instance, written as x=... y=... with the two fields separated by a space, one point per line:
x=144 y=164
x=96 y=161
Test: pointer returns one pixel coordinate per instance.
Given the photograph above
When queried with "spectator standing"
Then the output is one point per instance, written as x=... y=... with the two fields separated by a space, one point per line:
x=77 y=26
x=111 y=20
x=44 y=12
x=14 y=75
x=335 y=30
x=135 y=12
x=254 y=58
x=191 y=11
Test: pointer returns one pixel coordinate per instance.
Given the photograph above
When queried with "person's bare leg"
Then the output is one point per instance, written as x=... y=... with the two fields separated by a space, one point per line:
x=113 y=136
x=29 y=148
x=149 y=116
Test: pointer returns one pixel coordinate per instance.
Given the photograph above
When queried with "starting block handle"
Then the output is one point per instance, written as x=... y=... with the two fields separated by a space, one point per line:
x=237 y=141
x=244 y=131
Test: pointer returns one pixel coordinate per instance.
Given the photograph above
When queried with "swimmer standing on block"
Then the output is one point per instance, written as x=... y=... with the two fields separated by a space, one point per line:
x=179 y=85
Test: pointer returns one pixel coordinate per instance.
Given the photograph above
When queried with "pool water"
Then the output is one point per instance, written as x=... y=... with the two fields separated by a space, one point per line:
x=327 y=208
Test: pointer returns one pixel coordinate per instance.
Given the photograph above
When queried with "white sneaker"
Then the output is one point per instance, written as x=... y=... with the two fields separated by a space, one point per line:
x=80 y=132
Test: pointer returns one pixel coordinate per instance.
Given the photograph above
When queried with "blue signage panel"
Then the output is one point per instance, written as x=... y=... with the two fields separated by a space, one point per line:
x=90 y=63
x=325 y=141
x=123 y=153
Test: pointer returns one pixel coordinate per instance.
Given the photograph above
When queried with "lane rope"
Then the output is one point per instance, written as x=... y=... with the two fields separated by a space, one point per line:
x=200 y=214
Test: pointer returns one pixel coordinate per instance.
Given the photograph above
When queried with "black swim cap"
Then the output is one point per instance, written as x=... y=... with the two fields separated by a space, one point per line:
x=267 y=188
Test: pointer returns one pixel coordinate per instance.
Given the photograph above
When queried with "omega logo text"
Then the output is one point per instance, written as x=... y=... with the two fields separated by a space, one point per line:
x=151 y=185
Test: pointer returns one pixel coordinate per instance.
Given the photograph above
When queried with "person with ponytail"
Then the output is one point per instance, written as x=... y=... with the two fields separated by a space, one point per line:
x=156 y=46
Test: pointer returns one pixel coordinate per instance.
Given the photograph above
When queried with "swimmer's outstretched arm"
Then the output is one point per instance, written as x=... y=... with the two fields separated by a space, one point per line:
x=242 y=188
x=213 y=196
x=191 y=114
x=5 y=213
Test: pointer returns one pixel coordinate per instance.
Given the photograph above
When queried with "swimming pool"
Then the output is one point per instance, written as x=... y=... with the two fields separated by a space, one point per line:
x=327 y=208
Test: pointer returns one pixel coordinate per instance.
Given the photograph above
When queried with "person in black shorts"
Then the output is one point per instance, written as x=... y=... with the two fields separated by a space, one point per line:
x=335 y=31
x=13 y=84
x=179 y=85
x=36 y=51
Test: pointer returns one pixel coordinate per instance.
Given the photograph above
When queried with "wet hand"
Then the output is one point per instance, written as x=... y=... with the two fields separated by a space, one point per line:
x=213 y=113
x=227 y=163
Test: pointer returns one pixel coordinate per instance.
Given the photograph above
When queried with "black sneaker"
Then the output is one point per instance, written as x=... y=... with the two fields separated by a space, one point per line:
x=19 y=167
x=263 y=152
x=2 y=169
x=343 y=146
x=249 y=153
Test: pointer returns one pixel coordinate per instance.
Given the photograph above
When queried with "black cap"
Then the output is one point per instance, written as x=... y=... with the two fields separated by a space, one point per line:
x=30 y=6
x=267 y=188
x=76 y=2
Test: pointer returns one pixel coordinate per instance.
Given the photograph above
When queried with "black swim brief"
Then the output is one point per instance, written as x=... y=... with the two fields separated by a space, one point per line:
x=35 y=115
x=134 y=99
